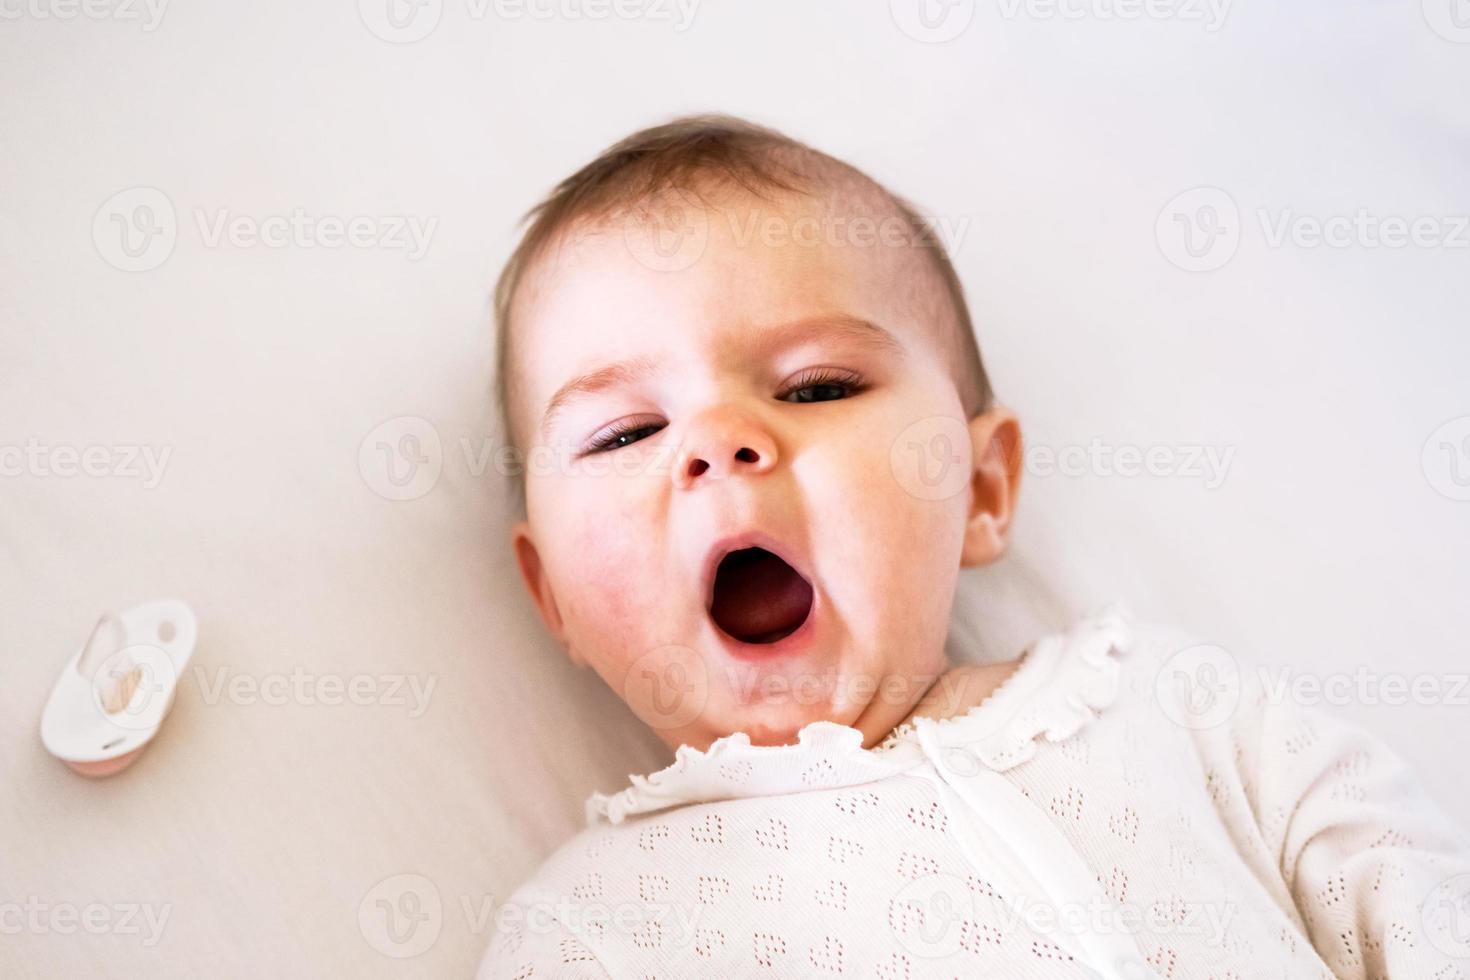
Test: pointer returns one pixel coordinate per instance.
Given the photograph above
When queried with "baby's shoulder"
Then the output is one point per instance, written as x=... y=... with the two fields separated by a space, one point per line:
x=1114 y=664
x=1152 y=642
x=1182 y=683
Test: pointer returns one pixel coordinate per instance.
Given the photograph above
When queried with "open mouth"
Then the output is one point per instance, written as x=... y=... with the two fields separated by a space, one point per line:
x=757 y=597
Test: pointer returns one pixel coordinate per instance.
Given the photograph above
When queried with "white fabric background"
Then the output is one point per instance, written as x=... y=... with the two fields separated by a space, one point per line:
x=1055 y=142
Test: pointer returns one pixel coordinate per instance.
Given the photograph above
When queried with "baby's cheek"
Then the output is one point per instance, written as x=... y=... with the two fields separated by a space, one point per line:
x=894 y=550
x=607 y=585
x=909 y=488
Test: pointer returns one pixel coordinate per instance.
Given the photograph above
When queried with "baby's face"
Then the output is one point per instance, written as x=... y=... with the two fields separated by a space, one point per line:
x=786 y=390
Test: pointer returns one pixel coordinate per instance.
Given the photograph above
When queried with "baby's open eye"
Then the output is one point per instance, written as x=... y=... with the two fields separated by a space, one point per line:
x=818 y=393
x=822 y=385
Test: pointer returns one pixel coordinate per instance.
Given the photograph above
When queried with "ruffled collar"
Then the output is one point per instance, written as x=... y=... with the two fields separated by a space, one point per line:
x=1061 y=684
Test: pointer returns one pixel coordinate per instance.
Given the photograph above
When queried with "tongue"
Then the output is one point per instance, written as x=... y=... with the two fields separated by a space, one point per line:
x=758 y=598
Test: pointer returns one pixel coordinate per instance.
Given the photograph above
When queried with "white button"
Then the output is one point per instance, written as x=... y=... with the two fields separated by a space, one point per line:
x=958 y=761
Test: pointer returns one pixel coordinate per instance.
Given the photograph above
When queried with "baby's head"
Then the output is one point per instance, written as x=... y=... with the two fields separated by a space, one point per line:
x=759 y=441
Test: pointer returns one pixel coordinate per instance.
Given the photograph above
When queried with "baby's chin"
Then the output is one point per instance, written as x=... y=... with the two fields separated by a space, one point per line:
x=775 y=725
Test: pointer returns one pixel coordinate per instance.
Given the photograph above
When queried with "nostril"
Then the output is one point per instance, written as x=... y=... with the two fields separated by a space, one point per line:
x=698 y=466
x=747 y=455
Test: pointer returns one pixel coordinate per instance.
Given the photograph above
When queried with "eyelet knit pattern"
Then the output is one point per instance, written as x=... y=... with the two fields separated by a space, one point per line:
x=1096 y=816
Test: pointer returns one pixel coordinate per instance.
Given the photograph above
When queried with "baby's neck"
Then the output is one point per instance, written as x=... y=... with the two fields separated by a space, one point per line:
x=961 y=688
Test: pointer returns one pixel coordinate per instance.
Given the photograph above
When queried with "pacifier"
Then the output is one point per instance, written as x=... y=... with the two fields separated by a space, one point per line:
x=114 y=693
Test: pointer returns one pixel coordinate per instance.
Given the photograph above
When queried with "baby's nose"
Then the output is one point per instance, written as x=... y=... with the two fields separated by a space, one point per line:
x=723 y=445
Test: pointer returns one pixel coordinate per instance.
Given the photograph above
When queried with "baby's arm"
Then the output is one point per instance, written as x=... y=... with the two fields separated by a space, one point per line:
x=1368 y=858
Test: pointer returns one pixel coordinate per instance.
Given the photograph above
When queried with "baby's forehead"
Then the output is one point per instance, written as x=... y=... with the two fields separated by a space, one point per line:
x=702 y=258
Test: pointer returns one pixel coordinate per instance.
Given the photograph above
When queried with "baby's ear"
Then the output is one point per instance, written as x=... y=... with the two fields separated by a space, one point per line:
x=995 y=445
x=537 y=582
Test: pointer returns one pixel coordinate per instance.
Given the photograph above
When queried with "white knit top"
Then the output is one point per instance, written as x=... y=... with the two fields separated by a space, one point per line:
x=1129 y=804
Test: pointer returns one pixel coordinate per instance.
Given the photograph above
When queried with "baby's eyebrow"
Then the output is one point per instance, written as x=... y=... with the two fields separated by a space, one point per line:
x=608 y=376
x=761 y=341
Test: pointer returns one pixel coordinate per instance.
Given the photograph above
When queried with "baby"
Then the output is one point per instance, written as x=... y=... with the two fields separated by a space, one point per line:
x=760 y=445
